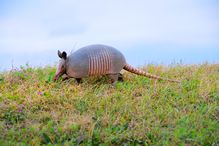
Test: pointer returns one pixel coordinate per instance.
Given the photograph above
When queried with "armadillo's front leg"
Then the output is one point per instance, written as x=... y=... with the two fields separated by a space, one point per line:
x=65 y=77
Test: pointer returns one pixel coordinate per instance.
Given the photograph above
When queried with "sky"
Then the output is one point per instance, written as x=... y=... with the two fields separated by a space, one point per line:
x=145 y=31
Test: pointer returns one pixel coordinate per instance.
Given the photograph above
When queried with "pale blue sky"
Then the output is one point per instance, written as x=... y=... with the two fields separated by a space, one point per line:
x=159 y=31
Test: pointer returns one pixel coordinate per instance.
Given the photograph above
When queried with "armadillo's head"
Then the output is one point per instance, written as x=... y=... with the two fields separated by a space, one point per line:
x=61 y=67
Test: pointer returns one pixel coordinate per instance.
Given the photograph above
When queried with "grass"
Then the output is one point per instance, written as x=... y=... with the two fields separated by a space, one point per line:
x=34 y=110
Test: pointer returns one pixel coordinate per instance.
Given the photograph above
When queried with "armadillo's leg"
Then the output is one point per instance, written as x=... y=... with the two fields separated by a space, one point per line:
x=78 y=80
x=114 y=78
x=65 y=77
x=120 y=78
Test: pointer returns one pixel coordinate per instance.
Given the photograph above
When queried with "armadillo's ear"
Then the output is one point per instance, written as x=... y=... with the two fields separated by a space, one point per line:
x=64 y=55
x=59 y=54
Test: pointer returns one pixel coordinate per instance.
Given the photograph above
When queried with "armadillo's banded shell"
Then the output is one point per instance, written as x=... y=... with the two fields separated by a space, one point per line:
x=100 y=62
x=95 y=60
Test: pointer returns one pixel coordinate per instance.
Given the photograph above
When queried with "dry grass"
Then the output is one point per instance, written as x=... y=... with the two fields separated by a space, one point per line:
x=34 y=110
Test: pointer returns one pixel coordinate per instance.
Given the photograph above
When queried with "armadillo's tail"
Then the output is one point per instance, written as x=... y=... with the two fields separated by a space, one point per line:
x=142 y=73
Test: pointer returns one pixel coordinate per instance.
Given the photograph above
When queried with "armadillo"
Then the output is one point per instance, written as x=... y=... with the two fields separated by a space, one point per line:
x=96 y=60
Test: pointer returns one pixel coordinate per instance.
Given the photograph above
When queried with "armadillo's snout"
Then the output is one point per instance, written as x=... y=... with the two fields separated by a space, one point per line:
x=59 y=74
x=55 y=78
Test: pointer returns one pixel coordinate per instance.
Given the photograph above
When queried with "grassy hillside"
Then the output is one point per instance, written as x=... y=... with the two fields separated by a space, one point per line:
x=140 y=111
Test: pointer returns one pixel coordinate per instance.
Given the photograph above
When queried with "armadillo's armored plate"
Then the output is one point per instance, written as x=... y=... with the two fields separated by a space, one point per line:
x=94 y=60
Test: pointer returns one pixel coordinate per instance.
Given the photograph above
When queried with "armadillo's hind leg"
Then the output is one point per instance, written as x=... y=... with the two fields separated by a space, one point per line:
x=114 y=78
x=120 y=78
x=79 y=80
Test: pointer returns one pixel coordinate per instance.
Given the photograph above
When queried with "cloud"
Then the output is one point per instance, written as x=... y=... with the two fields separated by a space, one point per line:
x=46 y=25
x=33 y=31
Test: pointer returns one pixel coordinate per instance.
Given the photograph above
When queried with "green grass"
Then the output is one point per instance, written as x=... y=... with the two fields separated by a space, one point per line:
x=34 y=110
